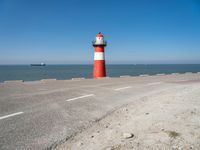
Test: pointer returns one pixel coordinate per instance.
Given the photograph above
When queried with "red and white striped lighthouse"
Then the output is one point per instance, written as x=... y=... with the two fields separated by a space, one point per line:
x=99 y=69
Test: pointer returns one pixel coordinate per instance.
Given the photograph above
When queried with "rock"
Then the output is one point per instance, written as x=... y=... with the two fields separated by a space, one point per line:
x=124 y=109
x=180 y=148
x=174 y=147
x=177 y=148
x=128 y=135
x=192 y=112
x=109 y=148
x=146 y=113
x=80 y=144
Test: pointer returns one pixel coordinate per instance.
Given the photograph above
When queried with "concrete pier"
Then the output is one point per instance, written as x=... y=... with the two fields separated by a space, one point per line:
x=43 y=114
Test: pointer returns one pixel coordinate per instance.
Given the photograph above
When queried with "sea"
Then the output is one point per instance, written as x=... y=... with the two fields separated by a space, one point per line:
x=60 y=72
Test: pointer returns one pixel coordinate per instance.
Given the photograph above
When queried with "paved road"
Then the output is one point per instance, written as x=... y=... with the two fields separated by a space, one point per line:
x=41 y=114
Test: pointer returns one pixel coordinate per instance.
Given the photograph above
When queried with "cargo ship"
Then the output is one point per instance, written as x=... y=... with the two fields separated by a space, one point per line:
x=41 y=64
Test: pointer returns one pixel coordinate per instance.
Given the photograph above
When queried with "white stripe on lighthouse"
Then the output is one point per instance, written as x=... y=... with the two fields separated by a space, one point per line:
x=99 y=56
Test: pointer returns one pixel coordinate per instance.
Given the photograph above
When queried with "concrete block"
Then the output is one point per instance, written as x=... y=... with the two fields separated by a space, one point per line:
x=47 y=80
x=125 y=76
x=104 y=78
x=188 y=72
x=174 y=73
x=160 y=74
x=14 y=81
x=78 y=78
x=144 y=75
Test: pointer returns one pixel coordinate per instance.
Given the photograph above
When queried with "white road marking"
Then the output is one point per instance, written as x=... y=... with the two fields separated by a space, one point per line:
x=72 y=99
x=11 y=115
x=154 y=83
x=182 y=80
x=118 y=89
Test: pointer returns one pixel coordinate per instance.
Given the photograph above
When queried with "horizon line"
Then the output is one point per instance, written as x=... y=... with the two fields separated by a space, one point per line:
x=116 y=64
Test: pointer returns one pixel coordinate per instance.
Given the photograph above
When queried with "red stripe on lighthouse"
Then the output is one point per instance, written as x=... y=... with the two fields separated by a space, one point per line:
x=99 y=49
x=99 y=69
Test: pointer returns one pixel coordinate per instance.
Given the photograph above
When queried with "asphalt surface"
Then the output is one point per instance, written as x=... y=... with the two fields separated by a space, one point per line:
x=43 y=114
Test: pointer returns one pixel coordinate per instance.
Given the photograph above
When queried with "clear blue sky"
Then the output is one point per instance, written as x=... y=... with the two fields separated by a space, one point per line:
x=137 y=31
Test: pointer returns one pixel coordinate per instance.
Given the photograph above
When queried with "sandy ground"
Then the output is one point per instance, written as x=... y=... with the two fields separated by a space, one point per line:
x=166 y=120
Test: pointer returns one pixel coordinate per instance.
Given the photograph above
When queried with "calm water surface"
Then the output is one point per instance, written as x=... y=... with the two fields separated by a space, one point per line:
x=29 y=73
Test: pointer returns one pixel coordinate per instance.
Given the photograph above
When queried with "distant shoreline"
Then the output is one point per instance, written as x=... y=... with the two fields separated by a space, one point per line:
x=106 y=64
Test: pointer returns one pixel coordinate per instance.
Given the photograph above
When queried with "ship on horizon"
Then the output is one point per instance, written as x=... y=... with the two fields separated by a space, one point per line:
x=41 y=64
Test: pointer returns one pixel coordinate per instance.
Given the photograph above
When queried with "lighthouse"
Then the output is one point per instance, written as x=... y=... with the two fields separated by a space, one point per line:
x=99 y=69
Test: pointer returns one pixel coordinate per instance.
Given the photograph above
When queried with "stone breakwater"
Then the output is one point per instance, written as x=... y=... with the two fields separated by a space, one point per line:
x=82 y=78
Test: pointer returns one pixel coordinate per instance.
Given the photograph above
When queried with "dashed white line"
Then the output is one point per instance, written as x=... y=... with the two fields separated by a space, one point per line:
x=123 y=88
x=154 y=83
x=182 y=80
x=11 y=115
x=72 y=99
